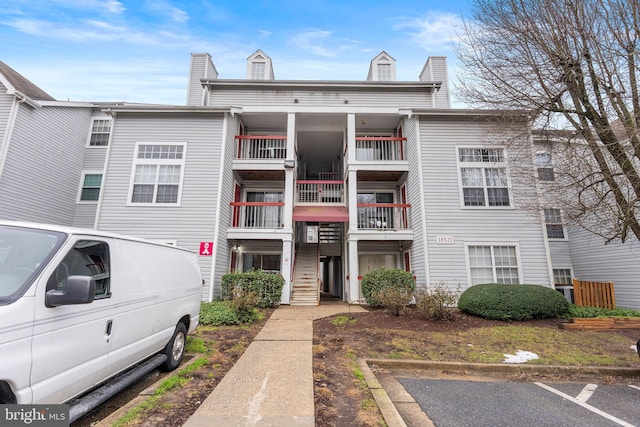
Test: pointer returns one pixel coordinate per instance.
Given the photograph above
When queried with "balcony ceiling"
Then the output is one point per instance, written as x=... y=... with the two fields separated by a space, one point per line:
x=261 y=175
x=379 y=176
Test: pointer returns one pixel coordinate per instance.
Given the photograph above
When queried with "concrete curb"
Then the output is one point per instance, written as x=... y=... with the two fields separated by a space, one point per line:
x=505 y=368
x=389 y=412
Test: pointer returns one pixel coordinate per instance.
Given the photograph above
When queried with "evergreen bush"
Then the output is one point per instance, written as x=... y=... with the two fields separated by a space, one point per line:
x=512 y=302
x=378 y=281
x=266 y=287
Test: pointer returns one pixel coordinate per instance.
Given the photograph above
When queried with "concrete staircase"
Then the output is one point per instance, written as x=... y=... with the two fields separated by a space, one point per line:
x=306 y=280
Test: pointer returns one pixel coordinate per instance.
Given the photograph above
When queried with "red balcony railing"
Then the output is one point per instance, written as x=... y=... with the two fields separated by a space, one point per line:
x=320 y=191
x=380 y=148
x=261 y=147
x=383 y=216
x=257 y=214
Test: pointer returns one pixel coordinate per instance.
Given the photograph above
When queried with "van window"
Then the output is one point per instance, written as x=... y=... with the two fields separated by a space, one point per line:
x=23 y=254
x=87 y=258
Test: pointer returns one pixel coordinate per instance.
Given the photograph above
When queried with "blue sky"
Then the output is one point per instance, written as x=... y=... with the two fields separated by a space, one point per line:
x=139 y=51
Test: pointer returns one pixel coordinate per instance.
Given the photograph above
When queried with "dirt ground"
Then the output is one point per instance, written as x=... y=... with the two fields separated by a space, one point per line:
x=341 y=396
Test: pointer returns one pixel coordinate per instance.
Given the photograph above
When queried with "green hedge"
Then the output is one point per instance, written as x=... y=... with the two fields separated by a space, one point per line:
x=512 y=302
x=379 y=280
x=580 y=312
x=217 y=313
x=267 y=287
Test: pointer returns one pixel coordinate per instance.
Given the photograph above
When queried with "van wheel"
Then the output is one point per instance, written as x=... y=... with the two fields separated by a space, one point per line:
x=174 y=349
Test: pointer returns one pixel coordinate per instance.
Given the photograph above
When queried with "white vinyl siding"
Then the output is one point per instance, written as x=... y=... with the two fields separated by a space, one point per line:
x=493 y=264
x=157 y=173
x=445 y=216
x=53 y=160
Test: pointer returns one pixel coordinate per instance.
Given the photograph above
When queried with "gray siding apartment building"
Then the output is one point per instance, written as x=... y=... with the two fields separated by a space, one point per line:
x=320 y=181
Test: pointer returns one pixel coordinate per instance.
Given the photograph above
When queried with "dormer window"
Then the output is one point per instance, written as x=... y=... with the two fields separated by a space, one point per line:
x=382 y=68
x=257 y=70
x=384 y=72
x=259 y=66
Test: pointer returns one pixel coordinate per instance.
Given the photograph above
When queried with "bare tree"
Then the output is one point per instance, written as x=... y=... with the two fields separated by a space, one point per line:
x=574 y=64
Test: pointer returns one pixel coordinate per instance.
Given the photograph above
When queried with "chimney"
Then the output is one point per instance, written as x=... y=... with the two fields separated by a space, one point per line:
x=201 y=68
x=435 y=70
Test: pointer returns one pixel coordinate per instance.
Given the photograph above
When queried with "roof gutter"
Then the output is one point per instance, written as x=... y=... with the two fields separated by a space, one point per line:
x=24 y=99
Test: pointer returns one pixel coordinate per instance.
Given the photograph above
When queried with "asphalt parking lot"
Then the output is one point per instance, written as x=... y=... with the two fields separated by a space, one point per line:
x=494 y=403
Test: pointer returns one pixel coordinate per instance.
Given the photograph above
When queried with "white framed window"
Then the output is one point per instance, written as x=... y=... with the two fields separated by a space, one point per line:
x=544 y=166
x=90 y=185
x=156 y=177
x=562 y=277
x=100 y=132
x=553 y=222
x=484 y=177
x=258 y=70
x=269 y=263
x=384 y=72
x=489 y=263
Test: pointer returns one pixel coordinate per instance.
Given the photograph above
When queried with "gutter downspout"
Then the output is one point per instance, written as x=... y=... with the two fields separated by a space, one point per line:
x=8 y=133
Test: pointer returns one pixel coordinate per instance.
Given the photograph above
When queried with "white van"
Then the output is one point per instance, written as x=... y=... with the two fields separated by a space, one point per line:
x=80 y=306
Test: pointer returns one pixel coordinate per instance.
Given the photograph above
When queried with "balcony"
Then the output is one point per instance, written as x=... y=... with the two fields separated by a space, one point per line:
x=383 y=216
x=320 y=192
x=380 y=148
x=257 y=215
x=261 y=147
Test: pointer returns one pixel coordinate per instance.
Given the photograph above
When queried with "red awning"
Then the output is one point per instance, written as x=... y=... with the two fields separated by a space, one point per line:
x=321 y=213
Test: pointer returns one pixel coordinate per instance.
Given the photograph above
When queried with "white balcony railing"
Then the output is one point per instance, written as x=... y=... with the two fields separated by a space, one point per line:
x=261 y=147
x=383 y=216
x=380 y=148
x=320 y=191
x=257 y=214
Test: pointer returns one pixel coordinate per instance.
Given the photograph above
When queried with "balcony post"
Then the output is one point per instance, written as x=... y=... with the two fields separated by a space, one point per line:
x=289 y=175
x=351 y=138
x=285 y=269
x=354 y=283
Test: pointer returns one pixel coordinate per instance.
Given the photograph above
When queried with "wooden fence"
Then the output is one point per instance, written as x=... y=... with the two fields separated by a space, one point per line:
x=593 y=294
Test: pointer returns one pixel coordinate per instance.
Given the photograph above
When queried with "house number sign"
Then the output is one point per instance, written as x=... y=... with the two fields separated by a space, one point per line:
x=444 y=240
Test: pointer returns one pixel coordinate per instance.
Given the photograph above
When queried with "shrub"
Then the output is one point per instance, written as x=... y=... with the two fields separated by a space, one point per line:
x=218 y=313
x=575 y=311
x=394 y=299
x=435 y=303
x=376 y=282
x=512 y=302
x=244 y=303
x=267 y=287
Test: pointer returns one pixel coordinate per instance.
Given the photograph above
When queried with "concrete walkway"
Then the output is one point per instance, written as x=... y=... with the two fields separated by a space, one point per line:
x=272 y=382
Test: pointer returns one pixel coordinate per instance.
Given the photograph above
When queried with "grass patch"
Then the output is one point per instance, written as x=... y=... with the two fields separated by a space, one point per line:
x=342 y=320
x=196 y=345
x=488 y=345
x=135 y=415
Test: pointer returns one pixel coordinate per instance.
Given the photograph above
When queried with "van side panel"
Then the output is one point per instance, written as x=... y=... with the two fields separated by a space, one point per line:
x=157 y=286
x=69 y=342
x=15 y=346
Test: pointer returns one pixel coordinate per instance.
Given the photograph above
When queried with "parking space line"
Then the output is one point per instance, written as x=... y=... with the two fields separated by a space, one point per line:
x=586 y=392
x=585 y=405
x=634 y=386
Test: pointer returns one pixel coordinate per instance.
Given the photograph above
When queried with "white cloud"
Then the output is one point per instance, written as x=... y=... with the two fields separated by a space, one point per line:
x=434 y=32
x=321 y=43
x=107 y=6
x=174 y=13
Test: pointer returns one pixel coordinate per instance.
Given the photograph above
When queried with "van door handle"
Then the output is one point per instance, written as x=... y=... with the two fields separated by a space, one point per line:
x=108 y=331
